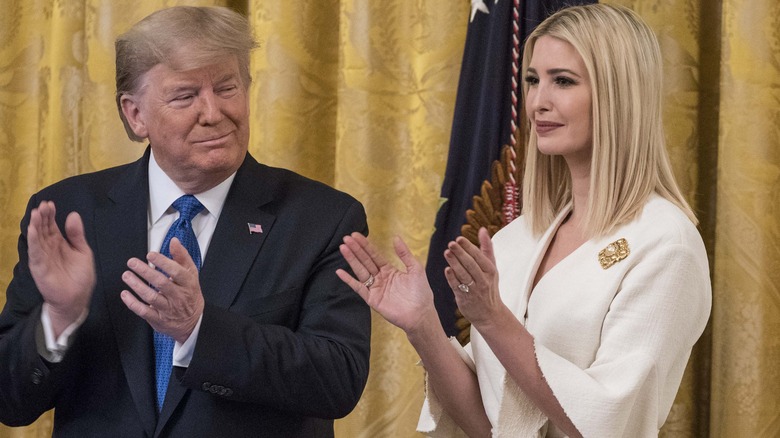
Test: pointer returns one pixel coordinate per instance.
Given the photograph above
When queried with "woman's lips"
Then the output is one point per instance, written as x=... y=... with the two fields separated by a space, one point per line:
x=546 y=127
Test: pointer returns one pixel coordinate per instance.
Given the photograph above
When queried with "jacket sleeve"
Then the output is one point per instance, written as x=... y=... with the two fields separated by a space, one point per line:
x=315 y=364
x=28 y=383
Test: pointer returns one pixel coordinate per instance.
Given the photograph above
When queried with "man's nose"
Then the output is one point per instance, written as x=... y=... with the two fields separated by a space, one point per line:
x=210 y=109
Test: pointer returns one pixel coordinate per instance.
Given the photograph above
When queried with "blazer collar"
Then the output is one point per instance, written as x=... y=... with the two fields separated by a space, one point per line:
x=234 y=247
x=539 y=251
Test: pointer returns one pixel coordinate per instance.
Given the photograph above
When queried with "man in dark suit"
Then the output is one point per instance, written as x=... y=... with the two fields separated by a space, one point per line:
x=196 y=247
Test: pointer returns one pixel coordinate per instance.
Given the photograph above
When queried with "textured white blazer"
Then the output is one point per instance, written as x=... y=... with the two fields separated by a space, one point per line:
x=611 y=342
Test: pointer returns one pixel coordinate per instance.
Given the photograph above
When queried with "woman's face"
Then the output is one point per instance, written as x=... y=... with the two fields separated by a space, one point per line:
x=558 y=102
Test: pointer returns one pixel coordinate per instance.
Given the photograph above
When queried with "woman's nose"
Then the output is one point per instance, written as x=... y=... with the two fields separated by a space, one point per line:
x=538 y=100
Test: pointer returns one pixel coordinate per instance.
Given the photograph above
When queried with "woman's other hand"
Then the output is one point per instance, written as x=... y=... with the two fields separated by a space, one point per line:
x=473 y=277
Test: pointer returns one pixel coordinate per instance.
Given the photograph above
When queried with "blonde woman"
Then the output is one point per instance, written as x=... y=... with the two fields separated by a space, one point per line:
x=585 y=309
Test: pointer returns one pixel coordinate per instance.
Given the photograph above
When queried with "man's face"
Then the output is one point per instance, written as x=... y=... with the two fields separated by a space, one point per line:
x=197 y=121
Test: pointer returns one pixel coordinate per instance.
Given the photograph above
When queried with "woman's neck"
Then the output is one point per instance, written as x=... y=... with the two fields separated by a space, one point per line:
x=580 y=191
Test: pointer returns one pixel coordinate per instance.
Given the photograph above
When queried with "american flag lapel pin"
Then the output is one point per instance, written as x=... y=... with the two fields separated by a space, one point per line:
x=255 y=228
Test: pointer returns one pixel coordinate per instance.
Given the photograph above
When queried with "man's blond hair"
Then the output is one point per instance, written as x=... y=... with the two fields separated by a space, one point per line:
x=182 y=38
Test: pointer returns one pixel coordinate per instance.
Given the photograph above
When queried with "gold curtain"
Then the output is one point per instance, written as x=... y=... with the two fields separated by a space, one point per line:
x=359 y=95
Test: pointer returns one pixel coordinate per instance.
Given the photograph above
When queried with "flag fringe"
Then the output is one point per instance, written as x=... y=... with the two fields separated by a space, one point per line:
x=498 y=203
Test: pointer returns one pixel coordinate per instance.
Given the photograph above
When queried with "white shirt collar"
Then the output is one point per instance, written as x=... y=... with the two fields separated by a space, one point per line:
x=163 y=191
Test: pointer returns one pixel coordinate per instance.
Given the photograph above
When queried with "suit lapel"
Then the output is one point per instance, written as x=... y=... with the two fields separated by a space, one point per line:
x=121 y=233
x=233 y=247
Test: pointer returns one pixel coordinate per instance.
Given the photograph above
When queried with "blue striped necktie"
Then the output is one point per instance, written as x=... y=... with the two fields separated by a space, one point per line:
x=188 y=207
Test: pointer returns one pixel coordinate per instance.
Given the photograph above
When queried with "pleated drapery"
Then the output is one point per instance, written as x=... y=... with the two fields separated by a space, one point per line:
x=360 y=95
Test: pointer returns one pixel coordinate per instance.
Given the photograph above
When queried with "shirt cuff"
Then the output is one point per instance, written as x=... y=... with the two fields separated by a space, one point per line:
x=51 y=349
x=182 y=353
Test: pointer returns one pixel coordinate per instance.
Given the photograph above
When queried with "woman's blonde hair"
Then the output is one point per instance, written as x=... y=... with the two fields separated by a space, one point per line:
x=629 y=159
x=182 y=38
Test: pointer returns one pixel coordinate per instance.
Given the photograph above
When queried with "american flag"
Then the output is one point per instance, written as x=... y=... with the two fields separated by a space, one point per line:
x=255 y=228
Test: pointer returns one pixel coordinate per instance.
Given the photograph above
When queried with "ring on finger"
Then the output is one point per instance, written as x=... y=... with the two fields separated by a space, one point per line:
x=465 y=287
x=368 y=283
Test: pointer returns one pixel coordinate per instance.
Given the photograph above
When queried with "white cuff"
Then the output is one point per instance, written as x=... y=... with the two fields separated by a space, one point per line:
x=53 y=350
x=182 y=353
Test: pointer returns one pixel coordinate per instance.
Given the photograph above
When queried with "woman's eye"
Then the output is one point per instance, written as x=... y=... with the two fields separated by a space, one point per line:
x=564 y=81
x=531 y=80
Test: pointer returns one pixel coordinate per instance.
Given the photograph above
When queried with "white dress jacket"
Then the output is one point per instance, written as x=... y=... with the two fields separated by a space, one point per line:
x=611 y=342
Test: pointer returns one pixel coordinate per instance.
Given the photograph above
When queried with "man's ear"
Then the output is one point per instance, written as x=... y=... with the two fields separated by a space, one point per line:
x=132 y=112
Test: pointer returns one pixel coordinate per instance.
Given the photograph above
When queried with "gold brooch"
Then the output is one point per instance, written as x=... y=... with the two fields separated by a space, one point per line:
x=613 y=253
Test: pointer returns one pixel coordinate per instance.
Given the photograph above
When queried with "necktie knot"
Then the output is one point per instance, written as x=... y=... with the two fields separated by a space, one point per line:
x=188 y=207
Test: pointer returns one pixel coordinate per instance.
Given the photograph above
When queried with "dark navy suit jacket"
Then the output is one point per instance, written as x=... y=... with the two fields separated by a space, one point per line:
x=283 y=347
